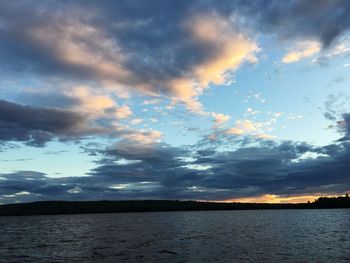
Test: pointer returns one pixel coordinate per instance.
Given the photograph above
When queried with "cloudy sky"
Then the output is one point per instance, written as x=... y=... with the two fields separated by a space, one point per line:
x=201 y=100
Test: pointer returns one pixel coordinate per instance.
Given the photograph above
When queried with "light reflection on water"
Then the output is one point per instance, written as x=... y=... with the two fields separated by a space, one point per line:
x=211 y=236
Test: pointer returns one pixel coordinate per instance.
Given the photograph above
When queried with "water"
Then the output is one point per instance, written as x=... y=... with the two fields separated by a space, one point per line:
x=214 y=236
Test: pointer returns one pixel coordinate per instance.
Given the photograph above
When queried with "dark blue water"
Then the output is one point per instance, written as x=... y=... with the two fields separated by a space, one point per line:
x=215 y=236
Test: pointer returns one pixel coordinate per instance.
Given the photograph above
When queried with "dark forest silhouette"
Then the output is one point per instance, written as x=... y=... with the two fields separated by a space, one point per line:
x=87 y=207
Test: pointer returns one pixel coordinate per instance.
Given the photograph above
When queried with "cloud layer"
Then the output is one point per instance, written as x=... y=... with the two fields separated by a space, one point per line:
x=155 y=170
x=35 y=126
x=80 y=60
x=172 y=49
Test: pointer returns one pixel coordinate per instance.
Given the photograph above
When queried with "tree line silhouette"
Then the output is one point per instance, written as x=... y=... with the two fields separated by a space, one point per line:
x=333 y=202
x=88 y=207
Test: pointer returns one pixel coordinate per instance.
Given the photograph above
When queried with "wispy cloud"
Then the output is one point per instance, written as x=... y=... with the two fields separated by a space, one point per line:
x=302 y=50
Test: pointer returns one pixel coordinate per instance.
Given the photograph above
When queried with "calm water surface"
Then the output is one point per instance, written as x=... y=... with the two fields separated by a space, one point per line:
x=215 y=236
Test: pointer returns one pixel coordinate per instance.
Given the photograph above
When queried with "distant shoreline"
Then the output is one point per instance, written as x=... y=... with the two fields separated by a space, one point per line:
x=95 y=207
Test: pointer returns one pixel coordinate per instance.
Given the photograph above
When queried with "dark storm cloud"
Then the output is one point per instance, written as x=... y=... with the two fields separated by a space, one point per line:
x=150 y=153
x=157 y=170
x=149 y=34
x=35 y=126
x=324 y=20
x=144 y=42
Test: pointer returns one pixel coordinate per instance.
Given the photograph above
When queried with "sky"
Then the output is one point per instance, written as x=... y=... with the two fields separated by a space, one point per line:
x=188 y=100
